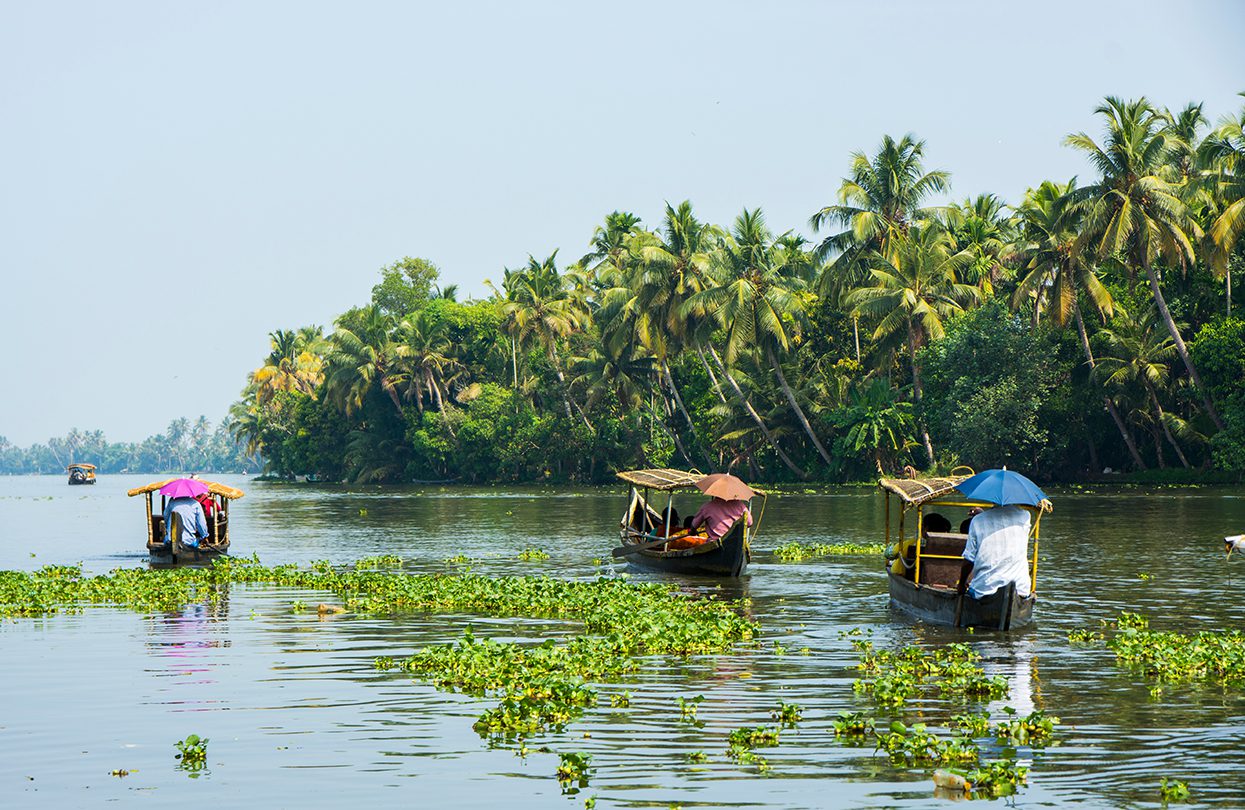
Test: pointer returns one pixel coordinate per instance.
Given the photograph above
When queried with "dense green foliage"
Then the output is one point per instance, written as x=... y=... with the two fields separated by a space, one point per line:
x=1079 y=328
x=184 y=446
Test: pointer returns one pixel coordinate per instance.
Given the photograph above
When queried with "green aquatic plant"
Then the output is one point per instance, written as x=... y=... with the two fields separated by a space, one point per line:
x=801 y=552
x=688 y=707
x=972 y=725
x=1083 y=635
x=1036 y=730
x=749 y=737
x=788 y=715
x=533 y=555
x=1001 y=777
x=573 y=768
x=852 y=724
x=1173 y=790
x=379 y=561
x=620 y=701
x=458 y=559
x=916 y=745
x=696 y=757
x=1174 y=657
x=192 y=752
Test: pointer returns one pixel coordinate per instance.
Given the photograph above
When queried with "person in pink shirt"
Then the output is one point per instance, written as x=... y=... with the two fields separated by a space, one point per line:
x=718 y=515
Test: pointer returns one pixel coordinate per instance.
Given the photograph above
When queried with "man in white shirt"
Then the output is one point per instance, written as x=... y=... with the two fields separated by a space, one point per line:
x=997 y=552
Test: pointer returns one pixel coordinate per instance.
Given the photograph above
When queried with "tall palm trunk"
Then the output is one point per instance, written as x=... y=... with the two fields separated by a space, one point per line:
x=756 y=417
x=674 y=434
x=1115 y=412
x=1158 y=414
x=918 y=392
x=795 y=406
x=713 y=378
x=1181 y=349
x=566 y=391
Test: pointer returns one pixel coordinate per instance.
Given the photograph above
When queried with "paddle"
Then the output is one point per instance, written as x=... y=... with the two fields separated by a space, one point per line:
x=622 y=551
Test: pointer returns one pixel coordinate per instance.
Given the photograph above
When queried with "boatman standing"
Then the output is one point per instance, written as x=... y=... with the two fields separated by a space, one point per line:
x=997 y=552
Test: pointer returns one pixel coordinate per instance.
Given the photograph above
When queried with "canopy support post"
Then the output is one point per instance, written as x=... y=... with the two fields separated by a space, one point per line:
x=150 y=537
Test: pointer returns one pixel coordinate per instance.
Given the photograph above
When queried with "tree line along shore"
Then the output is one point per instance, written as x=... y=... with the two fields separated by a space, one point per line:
x=1089 y=326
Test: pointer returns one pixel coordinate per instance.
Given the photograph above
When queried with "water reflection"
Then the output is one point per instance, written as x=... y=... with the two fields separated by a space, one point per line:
x=297 y=691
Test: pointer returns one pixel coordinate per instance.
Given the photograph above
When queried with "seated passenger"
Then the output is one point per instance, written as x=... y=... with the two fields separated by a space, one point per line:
x=934 y=522
x=997 y=551
x=190 y=518
x=972 y=513
x=718 y=515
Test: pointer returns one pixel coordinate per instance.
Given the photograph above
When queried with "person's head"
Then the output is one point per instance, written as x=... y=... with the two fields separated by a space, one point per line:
x=934 y=522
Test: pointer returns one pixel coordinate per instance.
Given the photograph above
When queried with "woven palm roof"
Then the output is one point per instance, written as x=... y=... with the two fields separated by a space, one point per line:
x=917 y=491
x=661 y=479
x=83 y=466
x=223 y=490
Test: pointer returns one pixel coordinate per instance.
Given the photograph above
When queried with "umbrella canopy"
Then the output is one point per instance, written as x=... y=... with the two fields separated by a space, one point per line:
x=184 y=488
x=1002 y=487
x=725 y=486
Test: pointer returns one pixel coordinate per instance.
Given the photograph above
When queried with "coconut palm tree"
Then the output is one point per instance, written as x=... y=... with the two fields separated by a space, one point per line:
x=1135 y=210
x=293 y=364
x=423 y=362
x=1056 y=276
x=756 y=298
x=362 y=355
x=1222 y=157
x=881 y=199
x=877 y=422
x=910 y=292
x=980 y=226
x=1138 y=351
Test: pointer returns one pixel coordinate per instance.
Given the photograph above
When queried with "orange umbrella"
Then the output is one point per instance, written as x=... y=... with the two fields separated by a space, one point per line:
x=725 y=486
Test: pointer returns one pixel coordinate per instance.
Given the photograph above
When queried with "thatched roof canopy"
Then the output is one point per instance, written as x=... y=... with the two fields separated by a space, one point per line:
x=80 y=466
x=661 y=479
x=916 y=491
x=223 y=490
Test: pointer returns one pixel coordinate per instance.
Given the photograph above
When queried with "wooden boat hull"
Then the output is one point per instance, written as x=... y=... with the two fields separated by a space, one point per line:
x=165 y=554
x=726 y=557
x=1003 y=610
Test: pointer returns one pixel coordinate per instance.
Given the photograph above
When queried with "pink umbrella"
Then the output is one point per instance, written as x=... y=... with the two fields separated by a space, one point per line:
x=184 y=488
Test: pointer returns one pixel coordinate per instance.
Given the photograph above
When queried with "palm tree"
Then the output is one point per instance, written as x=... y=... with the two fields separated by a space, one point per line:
x=541 y=307
x=424 y=364
x=1135 y=211
x=878 y=203
x=607 y=260
x=980 y=227
x=1057 y=276
x=293 y=364
x=1222 y=156
x=877 y=422
x=1137 y=351
x=757 y=299
x=362 y=355
x=912 y=291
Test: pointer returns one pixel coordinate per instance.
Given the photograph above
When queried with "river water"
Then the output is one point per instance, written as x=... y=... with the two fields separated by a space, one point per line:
x=298 y=716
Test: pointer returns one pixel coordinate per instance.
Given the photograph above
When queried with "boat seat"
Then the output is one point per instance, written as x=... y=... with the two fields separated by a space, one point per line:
x=936 y=571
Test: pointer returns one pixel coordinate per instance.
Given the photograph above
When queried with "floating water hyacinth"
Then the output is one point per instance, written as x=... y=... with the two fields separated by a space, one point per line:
x=800 y=552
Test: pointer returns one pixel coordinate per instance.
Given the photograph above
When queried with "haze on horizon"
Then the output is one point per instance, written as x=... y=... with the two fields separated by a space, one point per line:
x=179 y=180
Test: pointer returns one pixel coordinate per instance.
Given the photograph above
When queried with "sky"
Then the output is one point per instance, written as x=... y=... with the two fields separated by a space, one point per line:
x=179 y=179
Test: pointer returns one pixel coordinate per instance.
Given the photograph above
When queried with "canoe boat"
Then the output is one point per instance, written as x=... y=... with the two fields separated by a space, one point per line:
x=923 y=576
x=643 y=530
x=217 y=543
x=81 y=474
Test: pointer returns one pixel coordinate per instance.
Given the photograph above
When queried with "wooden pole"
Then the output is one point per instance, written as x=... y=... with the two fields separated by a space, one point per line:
x=150 y=538
x=920 y=520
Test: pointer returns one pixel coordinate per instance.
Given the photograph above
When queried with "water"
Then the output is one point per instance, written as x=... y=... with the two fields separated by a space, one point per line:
x=298 y=716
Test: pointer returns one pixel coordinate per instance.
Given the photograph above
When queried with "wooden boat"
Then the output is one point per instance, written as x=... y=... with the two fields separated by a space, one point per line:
x=643 y=530
x=214 y=546
x=81 y=474
x=923 y=576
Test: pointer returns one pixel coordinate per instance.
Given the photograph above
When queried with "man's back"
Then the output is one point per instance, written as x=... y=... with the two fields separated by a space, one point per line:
x=190 y=516
x=998 y=547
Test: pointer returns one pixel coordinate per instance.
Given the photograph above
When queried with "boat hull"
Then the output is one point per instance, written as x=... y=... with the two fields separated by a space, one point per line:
x=726 y=557
x=1003 y=610
x=166 y=554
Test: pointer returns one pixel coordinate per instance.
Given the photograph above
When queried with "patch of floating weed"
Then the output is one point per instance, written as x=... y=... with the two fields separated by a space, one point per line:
x=891 y=677
x=379 y=561
x=1001 y=777
x=192 y=752
x=1173 y=790
x=788 y=715
x=688 y=707
x=696 y=757
x=1083 y=635
x=852 y=724
x=972 y=725
x=620 y=701
x=917 y=745
x=1035 y=730
x=800 y=552
x=533 y=555
x=573 y=771
x=1174 y=657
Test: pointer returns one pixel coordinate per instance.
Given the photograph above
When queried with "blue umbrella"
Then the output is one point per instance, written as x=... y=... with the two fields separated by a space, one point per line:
x=1002 y=487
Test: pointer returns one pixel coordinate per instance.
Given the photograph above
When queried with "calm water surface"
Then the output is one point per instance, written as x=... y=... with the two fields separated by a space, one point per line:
x=298 y=716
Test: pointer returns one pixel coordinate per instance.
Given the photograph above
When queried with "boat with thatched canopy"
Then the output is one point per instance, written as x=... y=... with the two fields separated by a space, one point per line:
x=658 y=539
x=217 y=542
x=81 y=474
x=925 y=558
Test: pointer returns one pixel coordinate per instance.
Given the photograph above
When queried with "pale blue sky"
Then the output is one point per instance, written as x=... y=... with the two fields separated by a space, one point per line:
x=198 y=174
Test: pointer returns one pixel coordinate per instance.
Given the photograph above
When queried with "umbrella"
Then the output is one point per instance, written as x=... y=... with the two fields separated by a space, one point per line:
x=1002 y=487
x=184 y=488
x=725 y=486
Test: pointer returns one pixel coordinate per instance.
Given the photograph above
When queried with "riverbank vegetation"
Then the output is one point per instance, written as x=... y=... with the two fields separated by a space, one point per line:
x=1088 y=325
